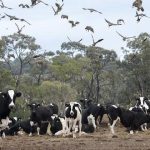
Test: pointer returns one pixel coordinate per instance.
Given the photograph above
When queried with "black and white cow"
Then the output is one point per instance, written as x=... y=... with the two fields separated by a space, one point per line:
x=97 y=110
x=73 y=117
x=7 y=102
x=129 y=119
x=143 y=103
x=58 y=125
x=54 y=108
x=39 y=114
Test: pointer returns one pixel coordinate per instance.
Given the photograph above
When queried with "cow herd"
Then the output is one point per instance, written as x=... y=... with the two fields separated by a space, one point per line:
x=78 y=117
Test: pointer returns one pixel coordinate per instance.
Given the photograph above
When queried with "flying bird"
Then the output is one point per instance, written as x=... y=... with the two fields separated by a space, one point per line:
x=89 y=28
x=140 y=16
x=113 y=24
x=92 y=10
x=94 y=43
x=138 y=5
x=19 y=29
x=120 y=21
x=64 y=16
x=76 y=41
x=124 y=37
x=24 y=5
x=3 y=6
x=73 y=23
x=59 y=8
x=35 y=2
x=11 y=17
x=25 y=21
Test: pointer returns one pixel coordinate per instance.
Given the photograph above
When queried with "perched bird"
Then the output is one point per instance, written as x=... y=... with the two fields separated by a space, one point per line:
x=59 y=8
x=24 y=5
x=73 y=23
x=124 y=37
x=3 y=6
x=11 y=55
x=113 y=24
x=64 y=16
x=94 y=43
x=37 y=56
x=92 y=10
x=89 y=28
x=138 y=5
x=19 y=29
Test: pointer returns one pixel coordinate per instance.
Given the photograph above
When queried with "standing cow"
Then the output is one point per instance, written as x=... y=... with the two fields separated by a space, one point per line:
x=73 y=117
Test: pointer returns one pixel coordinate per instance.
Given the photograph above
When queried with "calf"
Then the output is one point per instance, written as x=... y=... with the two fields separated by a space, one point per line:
x=97 y=110
x=58 y=125
x=7 y=102
x=73 y=117
x=39 y=115
x=129 y=119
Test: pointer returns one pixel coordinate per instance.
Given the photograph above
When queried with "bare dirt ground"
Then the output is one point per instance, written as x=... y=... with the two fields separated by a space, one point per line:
x=100 y=140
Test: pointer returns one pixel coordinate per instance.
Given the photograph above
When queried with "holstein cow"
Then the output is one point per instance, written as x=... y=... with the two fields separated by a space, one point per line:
x=97 y=110
x=39 y=114
x=58 y=125
x=7 y=102
x=129 y=119
x=73 y=117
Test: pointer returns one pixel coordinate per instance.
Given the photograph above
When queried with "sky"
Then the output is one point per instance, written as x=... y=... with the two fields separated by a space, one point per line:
x=51 y=31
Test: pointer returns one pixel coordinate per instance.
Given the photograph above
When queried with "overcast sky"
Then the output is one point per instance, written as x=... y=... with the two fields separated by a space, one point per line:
x=50 y=31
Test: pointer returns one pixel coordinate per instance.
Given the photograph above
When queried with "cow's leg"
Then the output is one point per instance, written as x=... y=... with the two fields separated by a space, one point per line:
x=73 y=128
x=48 y=129
x=112 y=125
x=31 y=128
x=80 y=127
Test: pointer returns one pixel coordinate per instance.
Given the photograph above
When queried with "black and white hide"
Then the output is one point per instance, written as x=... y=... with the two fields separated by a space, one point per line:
x=73 y=118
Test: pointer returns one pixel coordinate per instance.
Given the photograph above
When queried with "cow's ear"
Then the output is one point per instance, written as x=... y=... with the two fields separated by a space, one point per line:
x=76 y=105
x=4 y=94
x=67 y=104
x=89 y=101
x=18 y=94
x=137 y=99
x=38 y=105
x=145 y=98
x=81 y=100
x=28 y=105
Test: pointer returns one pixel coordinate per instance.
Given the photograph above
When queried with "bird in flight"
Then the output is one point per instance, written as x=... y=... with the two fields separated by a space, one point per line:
x=92 y=10
x=89 y=28
x=76 y=41
x=15 y=18
x=35 y=2
x=124 y=37
x=140 y=16
x=59 y=8
x=24 y=5
x=64 y=16
x=73 y=23
x=3 y=6
x=94 y=43
x=138 y=5
x=19 y=29
x=119 y=22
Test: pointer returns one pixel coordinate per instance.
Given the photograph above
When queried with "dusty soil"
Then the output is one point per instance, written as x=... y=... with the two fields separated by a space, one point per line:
x=100 y=140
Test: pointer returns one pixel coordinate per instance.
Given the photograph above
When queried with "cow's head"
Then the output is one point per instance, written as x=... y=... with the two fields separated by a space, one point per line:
x=141 y=101
x=33 y=106
x=85 y=103
x=10 y=97
x=72 y=108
